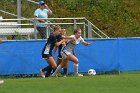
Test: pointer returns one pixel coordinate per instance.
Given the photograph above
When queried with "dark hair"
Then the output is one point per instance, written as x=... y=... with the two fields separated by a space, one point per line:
x=76 y=30
x=56 y=27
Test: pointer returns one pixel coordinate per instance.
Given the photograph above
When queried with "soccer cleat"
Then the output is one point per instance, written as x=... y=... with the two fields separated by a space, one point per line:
x=53 y=75
x=65 y=76
x=41 y=73
x=78 y=75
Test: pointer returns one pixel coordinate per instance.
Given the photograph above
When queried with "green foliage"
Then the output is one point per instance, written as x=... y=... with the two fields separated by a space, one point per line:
x=116 y=18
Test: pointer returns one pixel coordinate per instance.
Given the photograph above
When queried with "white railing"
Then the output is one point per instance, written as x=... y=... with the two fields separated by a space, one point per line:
x=29 y=28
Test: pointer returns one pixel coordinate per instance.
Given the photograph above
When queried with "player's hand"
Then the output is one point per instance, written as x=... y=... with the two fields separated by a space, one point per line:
x=89 y=43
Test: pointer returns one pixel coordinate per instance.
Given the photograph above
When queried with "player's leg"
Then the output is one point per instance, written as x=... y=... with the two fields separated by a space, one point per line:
x=65 y=66
x=73 y=58
x=59 y=66
x=48 y=69
x=59 y=60
x=53 y=65
x=57 y=69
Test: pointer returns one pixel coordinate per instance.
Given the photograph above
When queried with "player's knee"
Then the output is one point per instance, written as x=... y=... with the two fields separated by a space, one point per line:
x=76 y=61
x=54 y=66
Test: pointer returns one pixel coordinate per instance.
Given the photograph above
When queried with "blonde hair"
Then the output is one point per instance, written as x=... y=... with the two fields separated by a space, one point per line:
x=57 y=27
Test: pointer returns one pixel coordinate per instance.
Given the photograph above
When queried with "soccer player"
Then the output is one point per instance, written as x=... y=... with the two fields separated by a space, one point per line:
x=67 y=51
x=47 y=51
x=59 y=58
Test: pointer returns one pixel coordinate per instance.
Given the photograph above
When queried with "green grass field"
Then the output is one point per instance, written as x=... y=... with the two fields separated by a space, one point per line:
x=124 y=83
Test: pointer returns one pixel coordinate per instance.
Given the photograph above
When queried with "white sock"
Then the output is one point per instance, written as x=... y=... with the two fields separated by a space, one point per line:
x=57 y=70
x=75 y=68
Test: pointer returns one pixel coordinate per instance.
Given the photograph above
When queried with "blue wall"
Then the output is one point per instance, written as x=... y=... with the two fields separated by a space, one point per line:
x=24 y=57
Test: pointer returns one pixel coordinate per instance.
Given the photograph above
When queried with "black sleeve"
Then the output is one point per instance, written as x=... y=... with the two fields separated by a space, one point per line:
x=52 y=39
x=59 y=38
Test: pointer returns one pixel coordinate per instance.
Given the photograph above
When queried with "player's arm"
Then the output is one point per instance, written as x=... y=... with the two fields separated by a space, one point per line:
x=86 y=43
x=63 y=40
x=67 y=37
x=60 y=42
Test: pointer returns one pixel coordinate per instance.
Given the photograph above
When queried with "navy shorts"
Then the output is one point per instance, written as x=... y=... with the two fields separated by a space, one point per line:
x=46 y=56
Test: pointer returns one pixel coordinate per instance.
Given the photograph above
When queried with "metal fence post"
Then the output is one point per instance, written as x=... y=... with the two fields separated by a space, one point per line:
x=89 y=30
x=47 y=32
x=75 y=26
x=19 y=11
x=35 y=30
x=84 y=30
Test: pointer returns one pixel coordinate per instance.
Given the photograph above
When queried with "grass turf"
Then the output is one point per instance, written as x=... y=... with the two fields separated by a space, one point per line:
x=125 y=83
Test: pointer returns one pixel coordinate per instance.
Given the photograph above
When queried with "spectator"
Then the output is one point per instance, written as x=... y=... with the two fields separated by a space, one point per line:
x=42 y=12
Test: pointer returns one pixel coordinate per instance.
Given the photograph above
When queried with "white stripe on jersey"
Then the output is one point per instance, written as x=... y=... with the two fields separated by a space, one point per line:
x=47 y=49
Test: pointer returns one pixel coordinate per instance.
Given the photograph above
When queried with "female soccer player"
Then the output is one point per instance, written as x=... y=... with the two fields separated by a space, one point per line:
x=47 y=51
x=59 y=58
x=67 y=51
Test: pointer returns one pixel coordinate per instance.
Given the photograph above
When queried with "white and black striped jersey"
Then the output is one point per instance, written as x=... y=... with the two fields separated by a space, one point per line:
x=49 y=44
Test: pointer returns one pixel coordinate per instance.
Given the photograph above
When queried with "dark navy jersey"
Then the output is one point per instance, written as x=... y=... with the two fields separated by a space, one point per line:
x=59 y=38
x=49 y=44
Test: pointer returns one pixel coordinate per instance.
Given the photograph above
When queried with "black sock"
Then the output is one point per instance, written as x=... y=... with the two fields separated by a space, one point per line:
x=46 y=68
x=54 y=70
x=65 y=71
x=49 y=71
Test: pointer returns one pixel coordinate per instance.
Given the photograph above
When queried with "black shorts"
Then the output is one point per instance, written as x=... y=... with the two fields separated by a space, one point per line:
x=59 y=56
x=46 y=56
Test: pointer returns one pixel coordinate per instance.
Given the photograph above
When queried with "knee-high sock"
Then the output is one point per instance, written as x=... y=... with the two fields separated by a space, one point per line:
x=65 y=71
x=54 y=70
x=47 y=68
x=75 y=68
x=57 y=70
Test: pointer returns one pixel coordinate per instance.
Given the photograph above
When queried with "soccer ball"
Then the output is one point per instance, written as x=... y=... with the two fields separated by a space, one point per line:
x=91 y=72
x=1 y=81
